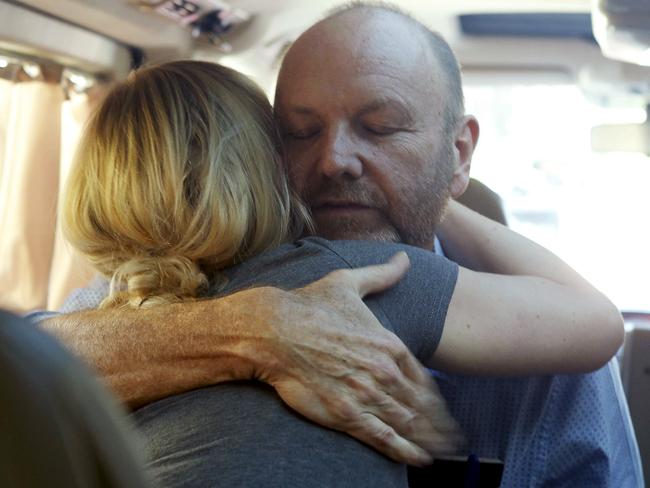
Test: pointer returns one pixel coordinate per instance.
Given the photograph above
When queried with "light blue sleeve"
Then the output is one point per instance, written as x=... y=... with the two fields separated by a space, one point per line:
x=80 y=299
x=589 y=435
x=561 y=431
x=88 y=297
x=39 y=315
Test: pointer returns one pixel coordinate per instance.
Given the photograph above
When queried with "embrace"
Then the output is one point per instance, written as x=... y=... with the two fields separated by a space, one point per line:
x=274 y=297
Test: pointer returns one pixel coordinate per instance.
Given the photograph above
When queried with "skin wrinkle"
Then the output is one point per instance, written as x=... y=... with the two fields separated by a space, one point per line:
x=338 y=159
x=317 y=351
x=390 y=105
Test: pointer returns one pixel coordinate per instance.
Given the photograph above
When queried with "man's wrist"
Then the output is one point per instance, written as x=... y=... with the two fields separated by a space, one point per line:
x=254 y=340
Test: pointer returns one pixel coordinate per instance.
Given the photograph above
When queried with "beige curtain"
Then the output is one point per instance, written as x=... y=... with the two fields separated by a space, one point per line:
x=38 y=133
x=69 y=270
x=28 y=194
x=5 y=101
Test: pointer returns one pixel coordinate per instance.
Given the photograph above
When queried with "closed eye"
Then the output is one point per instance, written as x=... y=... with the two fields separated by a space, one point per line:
x=381 y=130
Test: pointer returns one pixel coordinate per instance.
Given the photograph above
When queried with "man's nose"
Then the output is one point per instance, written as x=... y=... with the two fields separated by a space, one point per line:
x=340 y=155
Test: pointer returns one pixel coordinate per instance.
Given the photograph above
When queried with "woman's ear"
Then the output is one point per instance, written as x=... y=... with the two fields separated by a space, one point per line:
x=464 y=143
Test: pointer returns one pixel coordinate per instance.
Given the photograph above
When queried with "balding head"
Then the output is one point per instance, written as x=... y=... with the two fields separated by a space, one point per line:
x=356 y=15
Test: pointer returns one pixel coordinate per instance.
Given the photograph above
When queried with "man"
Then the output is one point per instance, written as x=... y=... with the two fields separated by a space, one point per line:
x=371 y=110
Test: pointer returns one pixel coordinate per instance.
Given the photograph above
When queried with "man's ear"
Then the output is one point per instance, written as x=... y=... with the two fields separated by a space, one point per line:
x=464 y=145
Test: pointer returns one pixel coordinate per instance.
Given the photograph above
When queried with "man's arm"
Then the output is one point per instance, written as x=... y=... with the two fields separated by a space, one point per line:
x=319 y=347
x=145 y=355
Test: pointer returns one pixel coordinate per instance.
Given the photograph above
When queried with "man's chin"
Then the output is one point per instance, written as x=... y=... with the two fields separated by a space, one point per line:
x=356 y=233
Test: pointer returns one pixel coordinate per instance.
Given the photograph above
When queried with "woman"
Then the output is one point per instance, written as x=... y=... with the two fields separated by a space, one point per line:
x=178 y=192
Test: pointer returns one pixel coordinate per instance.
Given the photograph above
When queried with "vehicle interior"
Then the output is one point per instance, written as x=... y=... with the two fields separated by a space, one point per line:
x=561 y=89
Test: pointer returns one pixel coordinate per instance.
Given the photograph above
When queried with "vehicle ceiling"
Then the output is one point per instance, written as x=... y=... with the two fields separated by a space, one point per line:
x=280 y=18
x=275 y=23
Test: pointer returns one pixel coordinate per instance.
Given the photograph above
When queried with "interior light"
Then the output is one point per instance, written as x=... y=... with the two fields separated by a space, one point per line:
x=3 y=63
x=81 y=82
x=32 y=70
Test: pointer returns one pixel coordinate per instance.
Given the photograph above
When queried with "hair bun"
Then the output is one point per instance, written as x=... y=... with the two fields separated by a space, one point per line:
x=147 y=281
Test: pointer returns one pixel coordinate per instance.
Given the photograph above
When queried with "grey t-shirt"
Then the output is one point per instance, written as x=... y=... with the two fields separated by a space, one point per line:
x=242 y=434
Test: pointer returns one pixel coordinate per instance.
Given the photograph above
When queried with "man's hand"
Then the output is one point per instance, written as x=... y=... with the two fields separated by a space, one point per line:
x=335 y=364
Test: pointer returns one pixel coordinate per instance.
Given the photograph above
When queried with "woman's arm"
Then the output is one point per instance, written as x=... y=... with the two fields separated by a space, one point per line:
x=521 y=310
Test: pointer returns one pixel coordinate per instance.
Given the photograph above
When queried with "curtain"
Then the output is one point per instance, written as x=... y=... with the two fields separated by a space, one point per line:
x=38 y=132
x=69 y=270
x=5 y=100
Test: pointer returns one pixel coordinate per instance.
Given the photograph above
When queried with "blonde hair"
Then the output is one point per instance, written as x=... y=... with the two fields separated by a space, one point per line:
x=178 y=175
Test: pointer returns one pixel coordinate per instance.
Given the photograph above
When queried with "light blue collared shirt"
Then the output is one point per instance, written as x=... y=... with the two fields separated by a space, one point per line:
x=556 y=431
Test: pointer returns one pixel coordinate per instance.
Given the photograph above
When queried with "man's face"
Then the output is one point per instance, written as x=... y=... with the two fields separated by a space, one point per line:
x=361 y=108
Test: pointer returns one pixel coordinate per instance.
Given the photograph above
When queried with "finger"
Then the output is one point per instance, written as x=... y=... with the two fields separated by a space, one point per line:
x=416 y=411
x=390 y=378
x=373 y=279
x=436 y=431
x=448 y=437
x=372 y=431
x=412 y=368
x=432 y=429
x=377 y=402
x=354 y=421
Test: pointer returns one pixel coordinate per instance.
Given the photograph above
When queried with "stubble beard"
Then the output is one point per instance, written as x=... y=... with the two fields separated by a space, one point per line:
x=422 y=207
x=352 y=230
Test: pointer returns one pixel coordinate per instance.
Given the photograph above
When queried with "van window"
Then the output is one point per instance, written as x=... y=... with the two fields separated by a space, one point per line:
x=589 y=208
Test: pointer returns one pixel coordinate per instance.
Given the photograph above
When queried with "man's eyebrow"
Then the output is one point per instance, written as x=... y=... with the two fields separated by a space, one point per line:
x=386 y=103
x=301 y=110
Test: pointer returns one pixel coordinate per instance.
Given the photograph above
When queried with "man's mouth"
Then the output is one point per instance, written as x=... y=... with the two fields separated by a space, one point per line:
x=340 y=207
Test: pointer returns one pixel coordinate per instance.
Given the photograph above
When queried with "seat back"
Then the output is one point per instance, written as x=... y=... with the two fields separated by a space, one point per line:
x=635 y=375
x=481 y=199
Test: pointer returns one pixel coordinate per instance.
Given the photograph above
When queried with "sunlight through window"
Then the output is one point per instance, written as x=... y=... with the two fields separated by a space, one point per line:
x=589 y=208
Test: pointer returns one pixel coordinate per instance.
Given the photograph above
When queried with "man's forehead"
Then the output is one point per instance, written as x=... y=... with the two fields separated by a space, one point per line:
x=378 y=81
x=359 y=41
x=355 y=93
x=367 y=103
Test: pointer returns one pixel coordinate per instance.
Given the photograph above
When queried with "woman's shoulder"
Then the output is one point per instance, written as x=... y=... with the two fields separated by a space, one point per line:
x=316 y=252
x=299 y=263
x=363 y=253
x=290 y=265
